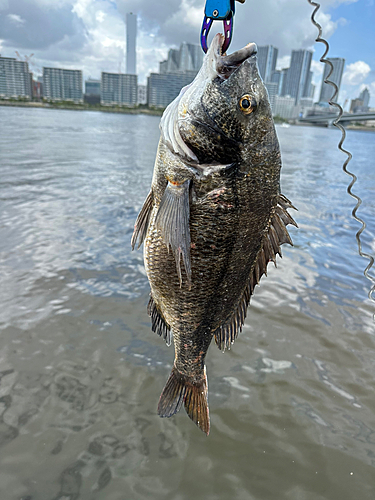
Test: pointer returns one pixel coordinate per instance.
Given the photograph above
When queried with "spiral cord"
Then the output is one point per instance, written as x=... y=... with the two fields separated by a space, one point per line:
x=336 y=123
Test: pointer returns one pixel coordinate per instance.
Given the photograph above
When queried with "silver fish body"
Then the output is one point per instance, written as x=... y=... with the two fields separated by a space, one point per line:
x=213 y=220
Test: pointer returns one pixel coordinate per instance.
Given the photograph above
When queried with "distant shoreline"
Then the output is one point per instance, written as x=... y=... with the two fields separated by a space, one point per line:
x=137 y=111
x=83 y=107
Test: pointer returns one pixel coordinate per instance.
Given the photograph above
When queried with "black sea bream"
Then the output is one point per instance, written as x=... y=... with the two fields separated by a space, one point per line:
x=213 y=219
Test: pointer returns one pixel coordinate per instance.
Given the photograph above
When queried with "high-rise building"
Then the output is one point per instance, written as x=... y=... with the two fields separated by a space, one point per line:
x=283 y=81
x=267 y=57
x=62 y=84
x=298 y=79
x=15 y=78
x=272 y=92
x=178 y=70
x=131 y=44
x=189 y=57
x=327 y=90
x=365 y=97
x=117 y=88
x=163 y=88
x=360 y=104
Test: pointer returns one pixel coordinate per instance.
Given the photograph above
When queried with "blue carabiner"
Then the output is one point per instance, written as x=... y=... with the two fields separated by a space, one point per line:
x=218 y=10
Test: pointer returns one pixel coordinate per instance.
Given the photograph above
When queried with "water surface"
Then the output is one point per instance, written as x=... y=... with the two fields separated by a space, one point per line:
x=292 y=404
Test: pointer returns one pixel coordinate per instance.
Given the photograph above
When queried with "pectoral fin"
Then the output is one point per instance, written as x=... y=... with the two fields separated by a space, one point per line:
x=173 y=221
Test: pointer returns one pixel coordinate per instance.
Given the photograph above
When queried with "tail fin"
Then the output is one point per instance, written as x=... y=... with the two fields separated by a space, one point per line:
x=179 y=389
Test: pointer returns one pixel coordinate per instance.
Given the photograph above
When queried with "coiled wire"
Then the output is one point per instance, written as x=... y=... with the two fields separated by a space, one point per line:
x=336 y=123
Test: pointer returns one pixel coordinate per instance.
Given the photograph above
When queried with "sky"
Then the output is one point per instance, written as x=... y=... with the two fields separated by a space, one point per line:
x=90 y=34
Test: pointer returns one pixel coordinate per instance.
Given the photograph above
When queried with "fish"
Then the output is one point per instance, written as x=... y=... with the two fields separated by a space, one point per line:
x=213 y=219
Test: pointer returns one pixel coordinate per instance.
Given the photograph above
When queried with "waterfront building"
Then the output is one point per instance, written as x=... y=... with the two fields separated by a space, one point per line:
x=92 y=87
x=62 y=84
x=272 y=92
x=298 y=79
x=117 y=88
x=15 y=78
x=267 y=57
x=142 y=94
x=163 y=88
x=286 y=107
x=327 y=90
x=131 y=44
x=283 y=81
x=361 y=103
x=92 y=91
x=38 y=88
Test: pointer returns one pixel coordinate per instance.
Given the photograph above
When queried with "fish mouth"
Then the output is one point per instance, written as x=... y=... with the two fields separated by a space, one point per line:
x=227 y=64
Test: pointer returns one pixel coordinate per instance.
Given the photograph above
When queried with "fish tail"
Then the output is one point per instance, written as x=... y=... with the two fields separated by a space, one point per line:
x=181 y=389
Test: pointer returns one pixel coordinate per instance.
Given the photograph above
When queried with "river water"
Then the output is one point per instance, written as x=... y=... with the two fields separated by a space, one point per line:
x=292 y=403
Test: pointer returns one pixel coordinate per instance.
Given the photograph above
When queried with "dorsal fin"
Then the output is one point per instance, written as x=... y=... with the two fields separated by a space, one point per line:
x=277 y=234
x=159 y=325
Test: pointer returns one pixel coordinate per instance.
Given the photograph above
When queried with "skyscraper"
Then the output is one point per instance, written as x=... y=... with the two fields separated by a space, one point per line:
x=298 y=79
x=365 y=97
x=327 y=91
x=267 y=57
x=131 y=41
x=188 y=57
x=191 y=57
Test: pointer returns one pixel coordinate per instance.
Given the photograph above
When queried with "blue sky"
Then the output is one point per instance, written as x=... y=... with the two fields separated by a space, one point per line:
x=90 y=34
x=354 y=39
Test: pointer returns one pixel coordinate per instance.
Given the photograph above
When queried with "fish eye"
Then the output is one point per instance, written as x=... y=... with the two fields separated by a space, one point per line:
x=247 y=104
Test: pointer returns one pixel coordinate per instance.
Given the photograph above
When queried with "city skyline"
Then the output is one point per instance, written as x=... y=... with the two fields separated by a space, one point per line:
x=180 y=68
x=90 y=35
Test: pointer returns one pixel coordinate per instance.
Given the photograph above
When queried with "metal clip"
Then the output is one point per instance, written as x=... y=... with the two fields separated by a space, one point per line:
x=218 y=10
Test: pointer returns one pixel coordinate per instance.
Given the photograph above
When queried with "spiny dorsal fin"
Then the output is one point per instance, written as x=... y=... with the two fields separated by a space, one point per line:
x=159 y=325
x=143 y=219
x=277 y=234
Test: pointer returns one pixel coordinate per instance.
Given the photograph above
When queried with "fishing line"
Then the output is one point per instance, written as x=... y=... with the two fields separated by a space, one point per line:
x=349 y=155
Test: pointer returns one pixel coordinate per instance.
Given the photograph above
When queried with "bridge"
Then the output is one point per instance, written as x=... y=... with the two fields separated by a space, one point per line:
x=328 y=118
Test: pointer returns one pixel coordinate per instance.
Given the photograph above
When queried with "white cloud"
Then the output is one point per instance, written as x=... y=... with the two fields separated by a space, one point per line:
x=283 y=62
x=95 y=40
x=16 y=19
x=356 y=73
x=317 y=67
x=100 y=16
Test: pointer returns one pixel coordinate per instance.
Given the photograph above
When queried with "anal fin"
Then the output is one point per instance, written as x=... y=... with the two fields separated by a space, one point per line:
x=173 y=221
x=142 y=222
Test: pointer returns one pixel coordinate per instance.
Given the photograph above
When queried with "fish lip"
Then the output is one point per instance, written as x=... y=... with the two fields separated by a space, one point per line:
x=226 y=64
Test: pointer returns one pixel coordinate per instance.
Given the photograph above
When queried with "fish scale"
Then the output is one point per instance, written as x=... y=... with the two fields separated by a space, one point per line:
x=213 y=220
